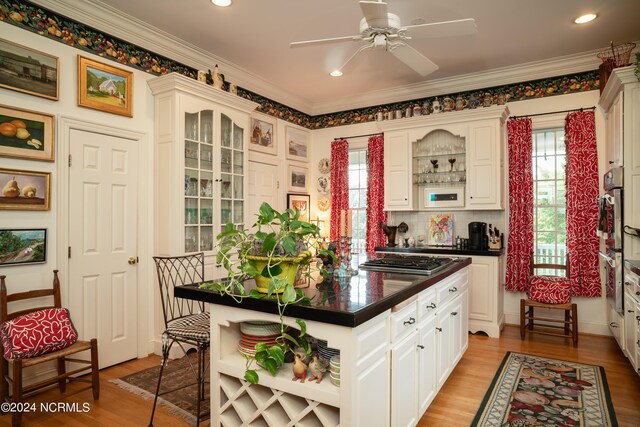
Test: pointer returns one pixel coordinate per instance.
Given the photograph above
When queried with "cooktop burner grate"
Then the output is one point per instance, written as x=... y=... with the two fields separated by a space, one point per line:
x=408 y=264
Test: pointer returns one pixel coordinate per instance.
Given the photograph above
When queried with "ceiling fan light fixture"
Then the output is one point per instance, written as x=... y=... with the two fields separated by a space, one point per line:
x=221 y=3
x=585 y=18
x=335 y=73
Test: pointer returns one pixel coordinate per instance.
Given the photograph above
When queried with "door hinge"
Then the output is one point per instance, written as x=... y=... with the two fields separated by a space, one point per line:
x=69 y=252
x=69 y=160
x=277 y=184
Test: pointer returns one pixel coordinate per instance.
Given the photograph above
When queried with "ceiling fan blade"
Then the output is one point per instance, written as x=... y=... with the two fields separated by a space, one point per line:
x=375 y=13
x=414 y=59
x=461 y=27
x=321 y=41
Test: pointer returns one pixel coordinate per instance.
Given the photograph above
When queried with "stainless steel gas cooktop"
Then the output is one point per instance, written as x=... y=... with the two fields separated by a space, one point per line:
x=422 y=265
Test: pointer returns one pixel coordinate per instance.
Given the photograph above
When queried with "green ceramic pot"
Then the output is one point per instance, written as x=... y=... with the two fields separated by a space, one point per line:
x=289 y=266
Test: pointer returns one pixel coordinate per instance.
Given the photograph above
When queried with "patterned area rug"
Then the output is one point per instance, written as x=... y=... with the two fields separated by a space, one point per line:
x=178 y=390
x=535 y=391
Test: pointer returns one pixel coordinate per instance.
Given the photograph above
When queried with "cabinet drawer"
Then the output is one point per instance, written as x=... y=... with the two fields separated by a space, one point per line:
x=427 y=303
x=404 y=321
x=451 y=287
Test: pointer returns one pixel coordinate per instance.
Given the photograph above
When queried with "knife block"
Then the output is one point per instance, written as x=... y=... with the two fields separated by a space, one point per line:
x=494 y=243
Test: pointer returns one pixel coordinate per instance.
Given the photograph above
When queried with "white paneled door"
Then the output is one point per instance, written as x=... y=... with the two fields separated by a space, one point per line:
x=103 y=215
x=263 y=187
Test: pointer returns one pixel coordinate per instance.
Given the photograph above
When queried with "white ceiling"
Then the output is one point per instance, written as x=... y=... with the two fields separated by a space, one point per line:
x=253 y=36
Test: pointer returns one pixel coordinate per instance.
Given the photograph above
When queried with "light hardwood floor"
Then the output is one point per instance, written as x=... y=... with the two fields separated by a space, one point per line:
x=455 y=405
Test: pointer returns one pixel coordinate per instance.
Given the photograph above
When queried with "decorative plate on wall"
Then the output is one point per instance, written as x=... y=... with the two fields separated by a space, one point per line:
x=324 y=203
x=323 y=185
x=323 y=165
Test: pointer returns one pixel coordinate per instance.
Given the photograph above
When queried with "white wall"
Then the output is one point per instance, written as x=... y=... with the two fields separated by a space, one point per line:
x=591 y=311
x=27 y=277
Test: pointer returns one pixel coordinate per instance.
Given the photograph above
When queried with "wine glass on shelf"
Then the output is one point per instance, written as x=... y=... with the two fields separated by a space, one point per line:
x=434 y=162
x=452 y=160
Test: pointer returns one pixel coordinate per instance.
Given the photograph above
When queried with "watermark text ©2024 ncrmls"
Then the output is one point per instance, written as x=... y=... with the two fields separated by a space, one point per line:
x=49 y=407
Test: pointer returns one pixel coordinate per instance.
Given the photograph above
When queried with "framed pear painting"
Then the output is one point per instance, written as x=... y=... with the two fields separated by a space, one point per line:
x=24 y=190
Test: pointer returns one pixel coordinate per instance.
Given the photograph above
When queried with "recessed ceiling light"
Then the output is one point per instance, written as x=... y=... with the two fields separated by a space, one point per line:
x=585 y=18
x=221 y=3
x=336 y=73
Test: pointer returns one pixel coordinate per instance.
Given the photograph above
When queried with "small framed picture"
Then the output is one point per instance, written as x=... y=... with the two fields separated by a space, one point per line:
x=25 y=190
x=301 y=202
x=104 y=87
x=27 y=70
x=298 y=177
x=23 y=246
x=26 y=134
x=297 y=144
x=263 y=134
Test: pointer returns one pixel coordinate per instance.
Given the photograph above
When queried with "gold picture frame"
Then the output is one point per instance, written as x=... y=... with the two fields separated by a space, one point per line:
x=25 y=190
x=101 y=87
x=35 y=142
x=28 y=70
x=263 y=134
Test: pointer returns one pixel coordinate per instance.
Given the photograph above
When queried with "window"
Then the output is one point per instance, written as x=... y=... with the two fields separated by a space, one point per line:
x=549 y=202
x=358 y=197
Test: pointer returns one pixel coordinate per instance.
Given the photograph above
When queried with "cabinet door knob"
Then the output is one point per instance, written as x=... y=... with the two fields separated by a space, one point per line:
x=454 y=313
x=439 y=329
x=411 y=321
x=421 y=347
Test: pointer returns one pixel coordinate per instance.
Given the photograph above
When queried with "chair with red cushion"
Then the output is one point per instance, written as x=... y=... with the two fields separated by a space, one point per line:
x=38 y=335
x=551 y=292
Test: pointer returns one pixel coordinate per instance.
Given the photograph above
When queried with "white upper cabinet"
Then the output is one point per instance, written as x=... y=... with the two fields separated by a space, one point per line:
x=455 y=157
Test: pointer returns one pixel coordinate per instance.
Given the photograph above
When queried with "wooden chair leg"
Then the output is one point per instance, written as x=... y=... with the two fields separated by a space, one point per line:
x=4 y=386
x=574 y=321
x=522 y=309
x=530 y=318
x=567 y=322
x=62 y=369
x=17 y=392
x=95 y=367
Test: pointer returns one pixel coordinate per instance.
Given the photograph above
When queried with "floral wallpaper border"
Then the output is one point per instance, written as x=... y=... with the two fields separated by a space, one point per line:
x=49 y=24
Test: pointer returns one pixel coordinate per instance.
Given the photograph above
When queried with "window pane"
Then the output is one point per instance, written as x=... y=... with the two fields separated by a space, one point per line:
x=545 y=168
x=545 y=192
x=546 y=219
x=354 y=158
x=354 y=198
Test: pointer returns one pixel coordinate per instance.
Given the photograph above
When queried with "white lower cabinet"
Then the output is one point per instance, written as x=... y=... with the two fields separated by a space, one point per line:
x=423 y=358
x=486 y=295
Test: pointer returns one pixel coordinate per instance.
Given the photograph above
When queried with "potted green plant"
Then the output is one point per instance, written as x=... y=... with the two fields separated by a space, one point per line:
x=273 y=252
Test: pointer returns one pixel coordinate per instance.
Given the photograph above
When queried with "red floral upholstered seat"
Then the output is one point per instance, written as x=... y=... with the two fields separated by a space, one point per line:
x=550 y=289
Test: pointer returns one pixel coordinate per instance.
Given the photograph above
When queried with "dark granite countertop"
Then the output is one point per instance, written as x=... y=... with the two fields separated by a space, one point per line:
x=349 y=302
x=633 y=265
x=440 y=250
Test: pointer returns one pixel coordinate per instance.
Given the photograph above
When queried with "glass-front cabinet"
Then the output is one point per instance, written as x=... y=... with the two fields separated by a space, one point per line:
x=439 y=159
x=200 y=167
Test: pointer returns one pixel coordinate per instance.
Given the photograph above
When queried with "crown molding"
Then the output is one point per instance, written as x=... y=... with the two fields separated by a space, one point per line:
x=618 y=78
x=111 y=21
x=494 y=112
x=576 y=63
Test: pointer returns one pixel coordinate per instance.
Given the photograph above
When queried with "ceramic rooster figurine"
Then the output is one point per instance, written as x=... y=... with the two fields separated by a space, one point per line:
x=299 y=369
x=317 y=368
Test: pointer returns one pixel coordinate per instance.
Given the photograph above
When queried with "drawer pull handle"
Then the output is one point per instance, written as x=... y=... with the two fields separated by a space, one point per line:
x=638 y=293
x=431 y=306
x=454 y=289
x=411 y=321
x=613 y=325
x=421 y=347
x=454 y=313
x=439 y=329
x=630 y=311
x=627 y=283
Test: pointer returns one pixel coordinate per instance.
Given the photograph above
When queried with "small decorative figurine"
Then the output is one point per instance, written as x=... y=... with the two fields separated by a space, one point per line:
x=436 y=106
x=461 y=103
x=317 y=368
x=202 y=76
x=473 y=102
x=487 y=100
x=233 y=88
x=218 y=80
x=299 y=369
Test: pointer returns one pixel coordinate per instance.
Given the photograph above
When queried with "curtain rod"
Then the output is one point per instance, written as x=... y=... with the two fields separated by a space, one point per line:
x=552 y=112
x=357 y=136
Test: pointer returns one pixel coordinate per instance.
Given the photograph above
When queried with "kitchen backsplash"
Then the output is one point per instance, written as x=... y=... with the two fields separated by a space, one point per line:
x=417 y=221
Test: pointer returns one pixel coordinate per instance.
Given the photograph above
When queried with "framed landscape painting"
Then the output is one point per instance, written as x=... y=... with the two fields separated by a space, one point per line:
x=300 y=202
x=297 y=144
x=26 y=134
x=25 y=190
x=298 y=177
x=263 y=134
x=104 y=88
x=27 y=70
x=23 y=246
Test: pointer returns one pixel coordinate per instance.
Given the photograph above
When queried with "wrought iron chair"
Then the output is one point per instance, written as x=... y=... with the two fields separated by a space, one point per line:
x=552 y=292
x=186 y=322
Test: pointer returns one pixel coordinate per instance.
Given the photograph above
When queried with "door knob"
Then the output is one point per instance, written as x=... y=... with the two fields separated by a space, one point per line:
x=132 y=260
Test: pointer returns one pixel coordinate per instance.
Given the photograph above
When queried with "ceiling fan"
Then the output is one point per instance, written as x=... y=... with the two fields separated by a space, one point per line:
x=382 y=30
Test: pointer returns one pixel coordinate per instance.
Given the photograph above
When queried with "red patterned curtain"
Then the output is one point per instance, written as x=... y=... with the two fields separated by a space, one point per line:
x=375 y=193
x=520 y=242
x=582 y=206
x=339 y=184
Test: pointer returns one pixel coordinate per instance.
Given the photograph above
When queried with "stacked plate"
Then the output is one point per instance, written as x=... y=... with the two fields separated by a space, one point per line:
x=255 y=332
x=334 y=370
x=326 y=352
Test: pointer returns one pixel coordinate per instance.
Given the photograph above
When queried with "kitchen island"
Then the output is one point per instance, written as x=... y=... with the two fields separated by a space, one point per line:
x=399 y=337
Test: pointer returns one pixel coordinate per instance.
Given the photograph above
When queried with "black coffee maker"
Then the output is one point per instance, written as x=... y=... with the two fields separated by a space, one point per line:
x=478 y=239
